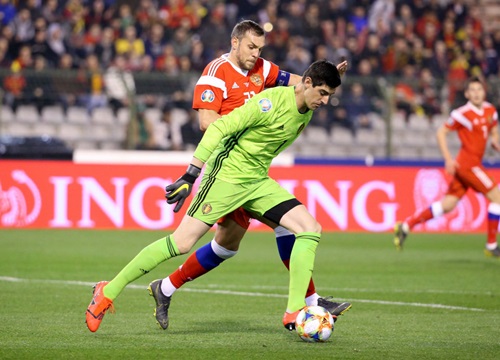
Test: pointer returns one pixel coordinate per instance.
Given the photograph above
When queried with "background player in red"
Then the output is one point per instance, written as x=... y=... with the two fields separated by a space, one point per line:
x=225 y=84
x=475 y=122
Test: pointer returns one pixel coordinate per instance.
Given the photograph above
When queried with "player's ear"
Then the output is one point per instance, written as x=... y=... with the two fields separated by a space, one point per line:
x=308 y=82
x=234 y=43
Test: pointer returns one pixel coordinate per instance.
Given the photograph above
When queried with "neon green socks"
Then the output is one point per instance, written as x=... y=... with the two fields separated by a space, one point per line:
x=301 y=268
x=149 y=258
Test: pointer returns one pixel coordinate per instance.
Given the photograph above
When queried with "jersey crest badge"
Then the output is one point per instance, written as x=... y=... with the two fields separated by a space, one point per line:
x=265 y=105
x=302 y=126
x=207 y=96
x=206 y=209
x=256 y=79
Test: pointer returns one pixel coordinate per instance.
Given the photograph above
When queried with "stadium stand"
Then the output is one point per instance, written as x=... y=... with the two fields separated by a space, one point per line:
x=384 y=41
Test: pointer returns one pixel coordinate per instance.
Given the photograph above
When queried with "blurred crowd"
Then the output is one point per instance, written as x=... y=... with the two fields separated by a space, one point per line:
x=427 y=48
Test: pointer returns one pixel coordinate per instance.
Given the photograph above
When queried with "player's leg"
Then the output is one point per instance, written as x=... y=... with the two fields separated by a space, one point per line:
x=180 y=242
x=308 y=231
x=270 y=201
x=223 y=246
x=285 y=240
x=492 y=248
x=456 y=190
x=481 y=181
x=222 y=197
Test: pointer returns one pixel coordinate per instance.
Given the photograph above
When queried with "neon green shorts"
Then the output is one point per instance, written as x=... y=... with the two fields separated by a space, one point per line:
x=216 y=198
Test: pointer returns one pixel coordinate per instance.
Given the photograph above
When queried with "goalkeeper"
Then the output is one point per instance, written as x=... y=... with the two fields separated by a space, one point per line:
x=238 y=149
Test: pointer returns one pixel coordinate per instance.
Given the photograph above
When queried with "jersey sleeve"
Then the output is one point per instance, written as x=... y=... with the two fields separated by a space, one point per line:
x=210 y=90
x=241 y=118
x=272 y=77
x=455 y=120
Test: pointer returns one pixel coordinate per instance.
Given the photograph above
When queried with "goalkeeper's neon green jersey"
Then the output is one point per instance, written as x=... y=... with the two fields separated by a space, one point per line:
x=239 y=146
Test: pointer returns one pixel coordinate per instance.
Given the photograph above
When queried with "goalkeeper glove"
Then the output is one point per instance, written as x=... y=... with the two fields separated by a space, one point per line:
x=180 y=190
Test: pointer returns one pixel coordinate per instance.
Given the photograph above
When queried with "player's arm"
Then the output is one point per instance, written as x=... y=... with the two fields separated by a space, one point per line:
x=206 y=117
x=450 y=164
x=177 y=192
x=495 y=138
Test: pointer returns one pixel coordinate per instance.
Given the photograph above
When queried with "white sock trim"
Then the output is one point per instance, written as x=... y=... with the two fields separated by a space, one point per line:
x=281 y=231
x=494 y=209
x=437 y=209
x=222 y=252
x=167 y=288
x=491 y=246
x=312 y=300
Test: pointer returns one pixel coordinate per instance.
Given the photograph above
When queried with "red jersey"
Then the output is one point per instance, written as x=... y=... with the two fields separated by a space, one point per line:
x=473 y=126
x=224 y=87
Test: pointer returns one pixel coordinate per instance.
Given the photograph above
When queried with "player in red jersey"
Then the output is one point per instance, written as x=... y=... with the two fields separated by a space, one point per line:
x=227 y=83
x=475 y=123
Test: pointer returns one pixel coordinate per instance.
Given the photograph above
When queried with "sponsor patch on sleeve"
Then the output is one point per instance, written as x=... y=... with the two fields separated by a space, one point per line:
x=207 y=96
x=265 y=105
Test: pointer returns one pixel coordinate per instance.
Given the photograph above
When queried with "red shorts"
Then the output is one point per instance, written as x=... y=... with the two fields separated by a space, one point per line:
x=475 y=177
x=240 y=216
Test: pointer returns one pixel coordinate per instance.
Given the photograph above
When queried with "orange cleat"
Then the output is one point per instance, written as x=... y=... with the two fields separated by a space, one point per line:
x=98 y=307
x=289 y=320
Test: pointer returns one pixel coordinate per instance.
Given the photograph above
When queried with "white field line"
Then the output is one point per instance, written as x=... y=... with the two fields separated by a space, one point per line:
x=361 y=290
x=242 y=293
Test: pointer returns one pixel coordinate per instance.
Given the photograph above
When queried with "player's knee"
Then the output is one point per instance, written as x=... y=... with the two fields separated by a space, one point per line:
x=184 y=245
x=315 y=227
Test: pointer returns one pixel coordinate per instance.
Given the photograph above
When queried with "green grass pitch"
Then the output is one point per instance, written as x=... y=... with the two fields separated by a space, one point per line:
x=437 y=299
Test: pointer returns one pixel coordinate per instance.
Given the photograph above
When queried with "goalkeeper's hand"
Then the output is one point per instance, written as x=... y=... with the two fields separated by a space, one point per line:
x=180 y=190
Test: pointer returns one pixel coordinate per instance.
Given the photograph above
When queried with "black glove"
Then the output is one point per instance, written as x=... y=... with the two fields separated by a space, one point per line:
x=180 y=190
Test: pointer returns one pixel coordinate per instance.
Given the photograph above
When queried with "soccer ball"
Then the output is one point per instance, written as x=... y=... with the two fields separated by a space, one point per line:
x=314 y=324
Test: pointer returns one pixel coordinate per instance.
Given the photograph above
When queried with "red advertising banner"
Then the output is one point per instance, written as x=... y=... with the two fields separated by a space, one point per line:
x=60 y=194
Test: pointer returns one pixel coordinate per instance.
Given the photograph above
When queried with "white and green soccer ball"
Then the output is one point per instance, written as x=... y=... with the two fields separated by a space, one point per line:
x=314 y=324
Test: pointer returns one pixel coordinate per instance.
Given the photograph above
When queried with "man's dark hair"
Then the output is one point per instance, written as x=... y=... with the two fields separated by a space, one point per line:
x=473 y=79
x=241 y=28
x=323 y=72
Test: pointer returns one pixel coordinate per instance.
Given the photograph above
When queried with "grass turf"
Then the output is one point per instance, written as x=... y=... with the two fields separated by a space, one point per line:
x=437 y=299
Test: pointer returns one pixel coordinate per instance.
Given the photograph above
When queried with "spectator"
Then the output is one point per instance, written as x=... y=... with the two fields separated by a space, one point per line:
x=214 y=32
x=56 y=41
x=22 y=26
x=39 y=90
x=406 y=94
x=95 y=96
x=191 y=132
x=181 y=42
x=105 y=49
x=98 y=14
x=298 y=57
x=358 y=108
x=146 y=16
x=322 y=118
x=14 y=86
x=40 y=47
x=125 y=17
x=429 y=93
x=492 y=60
x=51 y=12
x=171 y=138
x=25 y=59
x=92 y=38
x=155 y=41
x=120 y=85
x=130 y=45
x=7 y=12
x=140 y=133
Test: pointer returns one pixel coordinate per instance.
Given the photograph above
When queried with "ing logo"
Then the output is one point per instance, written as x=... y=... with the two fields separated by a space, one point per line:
x=13 y=204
